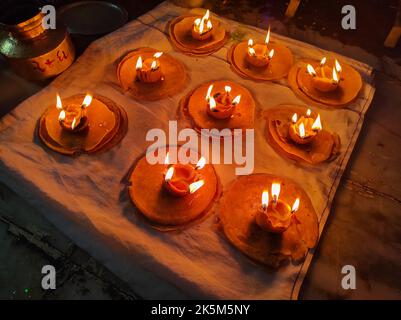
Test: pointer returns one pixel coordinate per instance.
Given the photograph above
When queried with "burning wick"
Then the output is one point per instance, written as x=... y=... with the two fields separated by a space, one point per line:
x=73 y=117
x=259 y=55
x=320 y=79
x=304 y=129
x=275 y=216
x=183 y=179
x=221 y=105
x=202 y=27
x=149 y=71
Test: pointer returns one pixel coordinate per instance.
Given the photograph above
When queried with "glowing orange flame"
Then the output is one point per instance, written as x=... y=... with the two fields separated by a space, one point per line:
x=267 y=40
x=153 y=66
x=167 y=159
x=212 y=103
x=74 y=123
x=209 y=92
x=301 y=130
x=252 y=51
x=237 y=100
x=87 y=101
x=338 y=66
x=157 y=55
x=295 y=206
x=200 y=23
x=201 y=163
x=209 y=25
x=308 y=112
x=265 y=199
x=61 y=116
x=323 y=62
x=227 y=89
x=169 y=174
x=206 y=16
x=276 y=187
x=139 y=63
x=59 y=104
x=271 y=54
x=317 y=125
x=335 y=76
x=294 y=118
x=195 y=186
x=250 y=43
x=311 y=70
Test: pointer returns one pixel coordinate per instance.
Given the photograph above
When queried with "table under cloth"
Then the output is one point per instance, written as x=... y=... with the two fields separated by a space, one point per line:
x=86 y=197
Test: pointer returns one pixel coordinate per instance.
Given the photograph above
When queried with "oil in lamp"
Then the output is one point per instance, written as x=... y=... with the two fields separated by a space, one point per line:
x=183 y=179
x=72 y=117
x=221 y=105
x=325 y=79
x=149 y=71
x=202 y=27
x=304 y=129
x=258 y=54
x=275 y=216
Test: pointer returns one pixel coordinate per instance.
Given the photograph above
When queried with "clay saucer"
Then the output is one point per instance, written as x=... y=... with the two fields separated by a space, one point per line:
x=239 y=206
x=347 y=91
x=278 y=67
x=173 y=81
x=181 y=37
x=325 y=146
x=107 y=125
x=162 y=210
x=193 y=108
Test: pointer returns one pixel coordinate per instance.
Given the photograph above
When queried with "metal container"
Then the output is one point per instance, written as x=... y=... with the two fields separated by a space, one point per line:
x=34 y=52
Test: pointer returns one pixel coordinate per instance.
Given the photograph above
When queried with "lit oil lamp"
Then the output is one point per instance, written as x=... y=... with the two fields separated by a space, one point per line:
x=149 y=71
x=202 y=27
x=325 y=79
x=259 y=54
x=221 y=105
x=275 y=216
x=72 y=117
x=183 y=179
x=304 y=129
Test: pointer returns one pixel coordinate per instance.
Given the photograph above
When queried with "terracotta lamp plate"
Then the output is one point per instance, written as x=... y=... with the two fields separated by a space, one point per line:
x=180 y=35
x=173 y=81
x=159 y=207
x=347 y=91
x=278 y=67
x=107 y=125
x=239 y=206
x=325 y=147
x=194 y=108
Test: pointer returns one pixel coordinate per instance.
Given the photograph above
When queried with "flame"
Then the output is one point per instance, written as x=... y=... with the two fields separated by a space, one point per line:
x=209 y=92
x=197 y=21
x=308 y=112
x=193 y=187
x=200 y=23
x=169 y=174
x=338 y=66
x=267 y=40
x=206 y=16
x=250 y=43
x=317 y=125
x=153 y=66
x=212 y=103
x=311 y=70
x=237 y=100
x=87 y=101
x=59 y=104
x=265 y=199
x=167 y=159
x=323 y=62
x=157 y=55
x=209 y=25
x=294 y=118
x=275 y=191
x=252 y=51
x=201 y=163
x=139 y=63
x=74 y=123
x=61 y=116
x=201 y=27
x=271 y=54
x=227 y=89
x=335 y=76
x=301 y=130
x=295 y=206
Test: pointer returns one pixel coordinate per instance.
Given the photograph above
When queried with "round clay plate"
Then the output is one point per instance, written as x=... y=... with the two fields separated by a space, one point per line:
x=107 y=126
x=347 y=91
x=174 y=76
x=237 y=214
x=158 y=206
x=278 y=67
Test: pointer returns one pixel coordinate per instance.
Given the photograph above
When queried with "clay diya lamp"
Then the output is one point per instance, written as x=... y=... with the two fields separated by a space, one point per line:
x=202 y=27
x=325 y=79
x=149 y=71
x=275 y=216
x=259 y=55
x=73 y=117
x=221 y=105
x=183 y=179
x=304 y=130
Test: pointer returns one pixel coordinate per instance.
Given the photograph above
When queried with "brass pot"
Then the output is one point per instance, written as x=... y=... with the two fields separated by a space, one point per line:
x=34 y=52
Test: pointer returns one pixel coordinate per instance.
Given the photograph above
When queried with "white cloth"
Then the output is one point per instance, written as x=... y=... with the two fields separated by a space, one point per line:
x=86 y=197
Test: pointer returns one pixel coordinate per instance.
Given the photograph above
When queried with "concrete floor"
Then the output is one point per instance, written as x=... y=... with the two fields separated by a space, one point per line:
x=368 y=200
